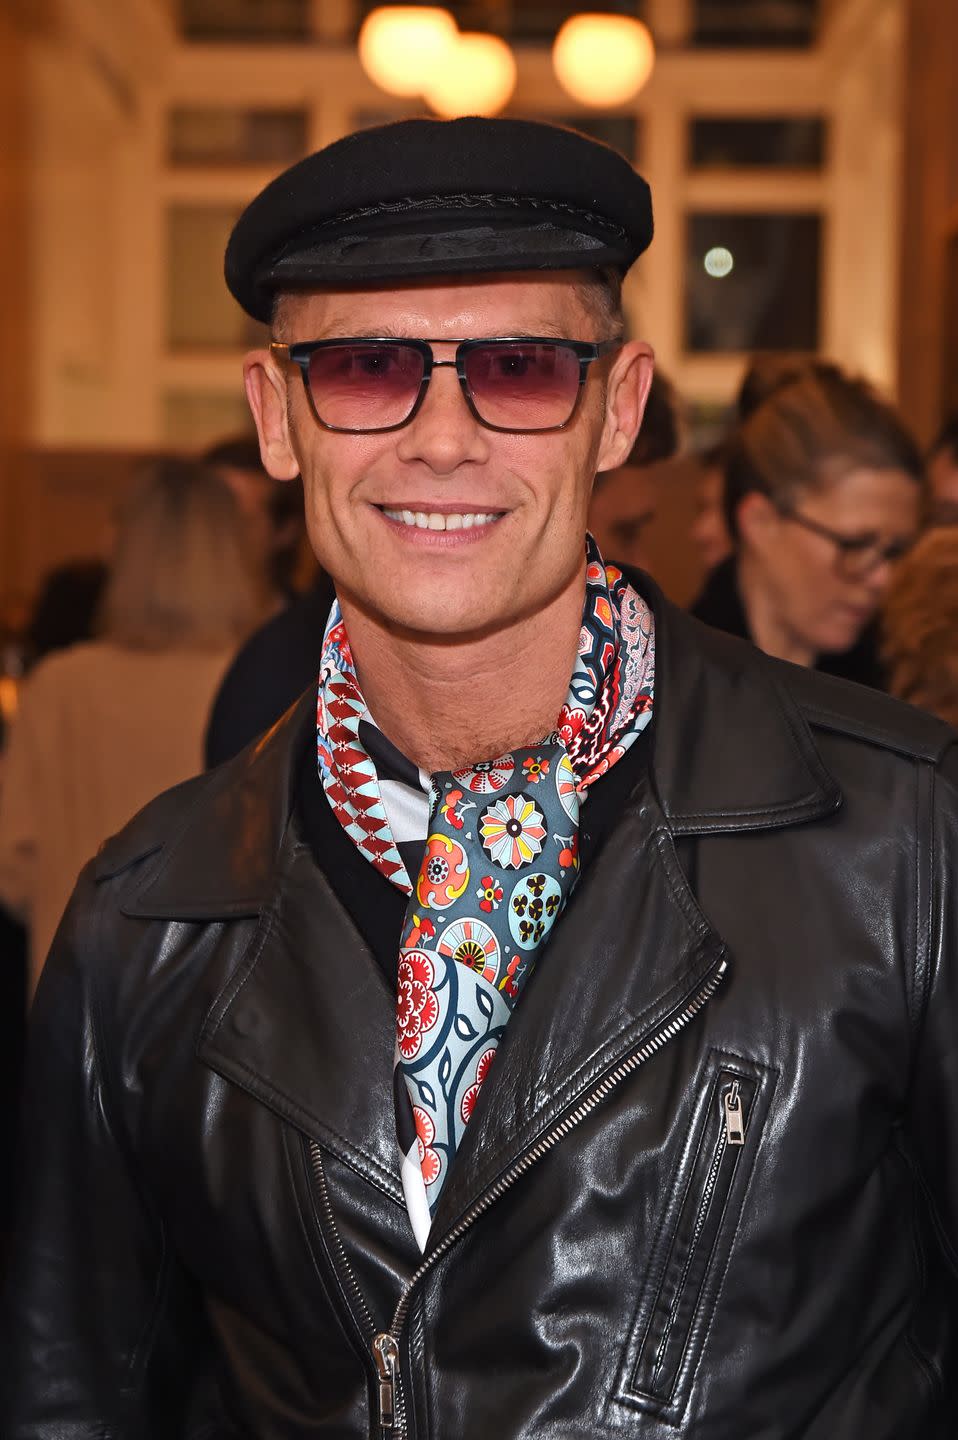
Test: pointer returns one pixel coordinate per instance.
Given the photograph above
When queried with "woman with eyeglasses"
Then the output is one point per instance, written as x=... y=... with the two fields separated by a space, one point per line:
x=822 y=495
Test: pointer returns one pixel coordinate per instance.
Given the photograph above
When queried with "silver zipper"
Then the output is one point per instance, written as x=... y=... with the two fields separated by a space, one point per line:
x=734 y=1121
x=386 y=1356
x=646 y=1050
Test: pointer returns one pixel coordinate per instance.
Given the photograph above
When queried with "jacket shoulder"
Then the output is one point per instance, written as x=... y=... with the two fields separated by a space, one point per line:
x=152 y=827
x=859 y=712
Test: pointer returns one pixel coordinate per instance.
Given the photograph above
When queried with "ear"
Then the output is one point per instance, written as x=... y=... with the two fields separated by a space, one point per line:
x=627 y=392
x=267 y=396
x=755 y=518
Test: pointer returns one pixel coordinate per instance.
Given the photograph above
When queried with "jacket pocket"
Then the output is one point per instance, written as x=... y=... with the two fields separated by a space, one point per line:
x=704 y=1205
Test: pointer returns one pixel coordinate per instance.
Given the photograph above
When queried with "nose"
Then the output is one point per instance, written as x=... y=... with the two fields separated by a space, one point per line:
x=444 y=434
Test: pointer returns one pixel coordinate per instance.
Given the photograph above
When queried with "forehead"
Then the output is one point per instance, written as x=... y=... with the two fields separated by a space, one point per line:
x=869 y=497
x=532 y=304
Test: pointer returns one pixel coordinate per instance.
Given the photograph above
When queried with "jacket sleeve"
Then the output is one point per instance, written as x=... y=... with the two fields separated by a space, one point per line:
x=89 y=1346
x=934 y=1112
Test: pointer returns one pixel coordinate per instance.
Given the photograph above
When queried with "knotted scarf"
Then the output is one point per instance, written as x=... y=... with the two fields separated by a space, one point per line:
x=499 y=864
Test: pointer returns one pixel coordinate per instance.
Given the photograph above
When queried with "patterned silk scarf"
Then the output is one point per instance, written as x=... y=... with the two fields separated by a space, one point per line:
x=500 y=861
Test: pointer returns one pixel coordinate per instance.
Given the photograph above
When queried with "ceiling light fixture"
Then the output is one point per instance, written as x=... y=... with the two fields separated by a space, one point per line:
x=477 y=77
x=603 y=60
x=401 y=47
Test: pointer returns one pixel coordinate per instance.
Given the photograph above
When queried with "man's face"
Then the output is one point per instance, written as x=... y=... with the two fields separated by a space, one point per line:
x=521 y=498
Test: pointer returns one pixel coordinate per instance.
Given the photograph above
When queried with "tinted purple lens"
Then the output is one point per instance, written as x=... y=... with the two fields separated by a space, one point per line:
x=364 y=386
x=520 y=386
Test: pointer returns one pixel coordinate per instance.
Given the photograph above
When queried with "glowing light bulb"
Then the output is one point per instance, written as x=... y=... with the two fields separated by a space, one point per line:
x=402 y=46
x=719 y=262
x=601 y=59
x=477 y=76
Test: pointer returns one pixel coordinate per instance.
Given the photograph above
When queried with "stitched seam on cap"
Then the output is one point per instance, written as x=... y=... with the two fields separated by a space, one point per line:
x=430 y=202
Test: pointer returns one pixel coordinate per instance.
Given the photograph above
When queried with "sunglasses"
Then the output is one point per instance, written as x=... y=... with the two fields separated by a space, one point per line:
x=363 y=386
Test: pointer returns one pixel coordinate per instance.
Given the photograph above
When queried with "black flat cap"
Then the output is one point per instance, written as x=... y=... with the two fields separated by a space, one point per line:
x=439 y=197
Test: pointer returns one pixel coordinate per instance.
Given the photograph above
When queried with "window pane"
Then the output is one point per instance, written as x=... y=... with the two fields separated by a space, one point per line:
x=228 y=136
x=792 y=142
x=193 y=420
x=201 y=313
x=245 y=19
x=752 y=282
x=754 y=23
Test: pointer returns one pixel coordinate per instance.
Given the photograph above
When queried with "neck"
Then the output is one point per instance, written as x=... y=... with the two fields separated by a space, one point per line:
x=449 y=704
x=767 y=626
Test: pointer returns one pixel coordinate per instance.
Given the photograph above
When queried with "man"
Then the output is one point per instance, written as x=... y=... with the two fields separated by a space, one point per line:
x=943 y=475
x=336 y=1127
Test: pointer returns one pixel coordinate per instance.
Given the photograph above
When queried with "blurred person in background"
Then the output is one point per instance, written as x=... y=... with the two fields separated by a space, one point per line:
x=274 y=514
x=823 y=492
x=943 y=476
x=66 y=608
x=103 y=726
x=64 y=614
x=709 y=532
x=624 y=500
x=765 y=373
x=920 y=625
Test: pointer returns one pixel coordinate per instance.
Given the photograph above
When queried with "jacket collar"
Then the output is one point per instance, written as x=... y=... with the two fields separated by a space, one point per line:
x=730 y=751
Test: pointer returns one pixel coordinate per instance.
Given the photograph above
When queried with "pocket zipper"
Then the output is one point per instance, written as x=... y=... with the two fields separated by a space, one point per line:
x=734 y=1119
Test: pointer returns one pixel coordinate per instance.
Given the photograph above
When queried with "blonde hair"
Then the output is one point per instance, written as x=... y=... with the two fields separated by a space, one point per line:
x=814 y=427
x=181 y=576
x=920 y=625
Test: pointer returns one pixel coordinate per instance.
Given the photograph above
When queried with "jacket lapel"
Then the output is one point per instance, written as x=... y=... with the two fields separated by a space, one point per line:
x=307 y=1024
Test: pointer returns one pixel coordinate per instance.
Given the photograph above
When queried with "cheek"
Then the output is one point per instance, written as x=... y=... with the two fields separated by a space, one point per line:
x=806 y=580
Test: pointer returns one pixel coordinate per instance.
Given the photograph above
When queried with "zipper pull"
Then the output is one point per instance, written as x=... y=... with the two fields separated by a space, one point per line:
x=386 y=1356
x=734 y=1120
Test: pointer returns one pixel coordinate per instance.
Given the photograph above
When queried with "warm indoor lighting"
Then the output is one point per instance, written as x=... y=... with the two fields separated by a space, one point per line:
x=402 y=46
x=719 y=262
x=603 y=59
x=476 y=77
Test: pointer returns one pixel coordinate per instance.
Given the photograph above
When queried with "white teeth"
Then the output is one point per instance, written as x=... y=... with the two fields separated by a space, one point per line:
x=435 y=520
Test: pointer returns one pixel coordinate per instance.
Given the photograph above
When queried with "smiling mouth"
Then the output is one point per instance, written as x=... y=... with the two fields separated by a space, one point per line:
x=437 y=520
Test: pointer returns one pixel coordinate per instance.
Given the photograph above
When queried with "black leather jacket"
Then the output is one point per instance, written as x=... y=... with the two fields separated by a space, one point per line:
x=711 y=1188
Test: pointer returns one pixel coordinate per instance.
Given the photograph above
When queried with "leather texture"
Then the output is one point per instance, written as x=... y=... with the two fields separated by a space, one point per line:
x=213 y=1228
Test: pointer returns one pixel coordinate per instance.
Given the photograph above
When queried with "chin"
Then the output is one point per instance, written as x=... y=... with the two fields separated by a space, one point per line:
x=839 y=640
x=443 y=612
